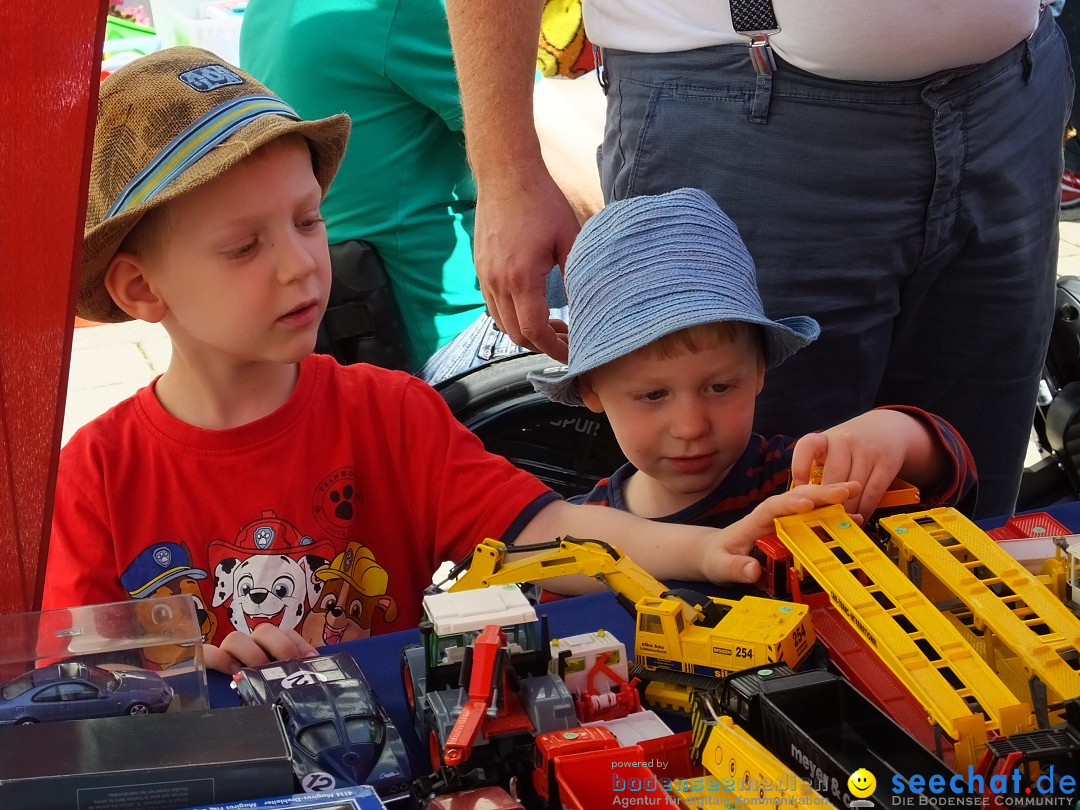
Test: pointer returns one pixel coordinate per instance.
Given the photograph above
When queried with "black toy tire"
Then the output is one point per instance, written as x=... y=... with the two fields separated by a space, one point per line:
x=567 y=448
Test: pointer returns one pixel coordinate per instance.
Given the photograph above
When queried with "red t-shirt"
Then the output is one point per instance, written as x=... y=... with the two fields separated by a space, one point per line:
x=328 y=516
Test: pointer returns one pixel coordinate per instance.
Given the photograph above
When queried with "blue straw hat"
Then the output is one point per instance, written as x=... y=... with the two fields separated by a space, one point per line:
x=645 y=267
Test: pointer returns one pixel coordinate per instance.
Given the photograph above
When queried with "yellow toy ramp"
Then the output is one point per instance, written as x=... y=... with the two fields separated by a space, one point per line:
x=959 y=691
x=1004 y=598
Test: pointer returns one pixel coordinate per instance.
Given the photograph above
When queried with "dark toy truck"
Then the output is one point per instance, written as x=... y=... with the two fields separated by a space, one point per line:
x=824 y=729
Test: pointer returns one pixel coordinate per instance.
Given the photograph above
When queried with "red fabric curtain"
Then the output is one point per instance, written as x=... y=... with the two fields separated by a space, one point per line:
x=50 y=63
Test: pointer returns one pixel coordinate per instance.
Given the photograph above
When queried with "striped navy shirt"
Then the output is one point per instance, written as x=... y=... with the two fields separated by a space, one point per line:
x=764 y=469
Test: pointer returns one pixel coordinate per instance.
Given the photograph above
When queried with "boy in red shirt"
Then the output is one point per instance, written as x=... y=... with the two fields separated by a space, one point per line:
x=305 y=502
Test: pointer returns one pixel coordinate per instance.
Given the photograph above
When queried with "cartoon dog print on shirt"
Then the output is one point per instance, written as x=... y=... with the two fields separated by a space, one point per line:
x=161 y=570
x=355 y=587
x=266 y=576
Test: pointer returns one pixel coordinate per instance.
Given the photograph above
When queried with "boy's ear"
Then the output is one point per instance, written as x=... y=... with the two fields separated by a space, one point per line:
x=760 y=373
x=588 y=394
x=126 y=281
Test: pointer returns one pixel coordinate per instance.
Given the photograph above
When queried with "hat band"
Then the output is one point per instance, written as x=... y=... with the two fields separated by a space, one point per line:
x=192 y=144
x=147 y=587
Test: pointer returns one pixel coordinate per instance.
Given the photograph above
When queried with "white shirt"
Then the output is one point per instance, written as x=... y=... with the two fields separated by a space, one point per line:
x=858 y=40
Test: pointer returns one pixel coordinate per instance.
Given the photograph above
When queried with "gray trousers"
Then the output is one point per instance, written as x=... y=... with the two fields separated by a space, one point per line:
x=916 y=221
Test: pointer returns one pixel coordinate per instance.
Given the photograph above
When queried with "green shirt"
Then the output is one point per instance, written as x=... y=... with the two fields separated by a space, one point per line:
x=404 y=184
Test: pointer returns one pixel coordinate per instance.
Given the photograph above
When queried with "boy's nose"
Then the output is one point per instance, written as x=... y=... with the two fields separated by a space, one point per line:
x=296 y=259
x=690 y=419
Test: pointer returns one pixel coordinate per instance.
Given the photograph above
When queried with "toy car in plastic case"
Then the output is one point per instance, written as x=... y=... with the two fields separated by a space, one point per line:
x=73 y=691
x=338 y=732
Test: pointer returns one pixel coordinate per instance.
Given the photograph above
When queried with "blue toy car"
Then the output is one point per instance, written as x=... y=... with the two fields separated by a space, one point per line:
x=74 y=691
x=338 y=732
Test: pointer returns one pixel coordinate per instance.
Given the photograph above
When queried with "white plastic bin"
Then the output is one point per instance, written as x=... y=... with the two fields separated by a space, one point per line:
x=208 y=25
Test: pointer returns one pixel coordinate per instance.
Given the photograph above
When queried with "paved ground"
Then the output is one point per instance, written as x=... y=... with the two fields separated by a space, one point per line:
x=109 y=363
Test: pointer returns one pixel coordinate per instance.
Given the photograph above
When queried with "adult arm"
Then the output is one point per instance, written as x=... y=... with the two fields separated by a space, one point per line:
x=524 y=225
x=569 y=115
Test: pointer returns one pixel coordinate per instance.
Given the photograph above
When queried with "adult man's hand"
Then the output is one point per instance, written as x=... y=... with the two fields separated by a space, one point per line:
x=524 y=226
x=522 y=231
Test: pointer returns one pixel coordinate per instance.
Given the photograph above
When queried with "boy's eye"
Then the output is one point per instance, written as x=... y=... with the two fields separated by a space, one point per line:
x=311 y=221
x=652 y=396
x=242 y=251
x=719 y=388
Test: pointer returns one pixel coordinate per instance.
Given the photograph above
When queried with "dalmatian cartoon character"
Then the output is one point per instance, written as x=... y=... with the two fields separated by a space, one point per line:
x=266 y=576
x=355 y=588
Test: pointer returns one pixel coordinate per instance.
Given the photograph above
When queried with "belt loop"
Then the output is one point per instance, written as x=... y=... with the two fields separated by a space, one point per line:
x=601 y=71
x=759 y=104
x=1028 y=59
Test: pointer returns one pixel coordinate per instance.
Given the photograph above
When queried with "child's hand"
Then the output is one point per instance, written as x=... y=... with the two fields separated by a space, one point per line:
x=727 y=561
x=265 y=644
x=873 y=449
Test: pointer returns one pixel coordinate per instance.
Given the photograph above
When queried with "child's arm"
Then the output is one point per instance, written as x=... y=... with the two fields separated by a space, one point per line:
x=266 y=643
x=666 y=550
x=677 y=551
x=876 y=447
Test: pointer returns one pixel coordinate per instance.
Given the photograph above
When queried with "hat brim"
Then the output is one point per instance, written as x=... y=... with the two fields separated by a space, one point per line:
x=164 y=579
x=329 y=574
x=783 y=337
x=328 y=138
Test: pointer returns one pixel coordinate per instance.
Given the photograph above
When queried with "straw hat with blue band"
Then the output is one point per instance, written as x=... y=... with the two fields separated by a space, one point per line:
x=167 y=123
x=645 y=267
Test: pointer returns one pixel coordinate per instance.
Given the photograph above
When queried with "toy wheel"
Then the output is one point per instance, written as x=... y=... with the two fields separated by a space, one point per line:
x=434 y=750
x=26 y=721
x=567 y=448
x=410 y=692
x=407 y=680
x=138 y=708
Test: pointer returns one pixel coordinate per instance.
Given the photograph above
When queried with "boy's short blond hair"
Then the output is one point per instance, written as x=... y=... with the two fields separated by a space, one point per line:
x=703 y=336
x=170 y=122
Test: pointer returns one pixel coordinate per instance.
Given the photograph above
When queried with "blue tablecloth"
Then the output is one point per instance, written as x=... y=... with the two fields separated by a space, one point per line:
x=379 y=656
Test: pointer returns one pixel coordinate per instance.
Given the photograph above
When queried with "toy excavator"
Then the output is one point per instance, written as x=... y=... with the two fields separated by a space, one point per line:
x=683 y=639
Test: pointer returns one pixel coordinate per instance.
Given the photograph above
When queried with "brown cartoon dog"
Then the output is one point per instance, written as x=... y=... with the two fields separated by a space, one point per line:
x=355 y=587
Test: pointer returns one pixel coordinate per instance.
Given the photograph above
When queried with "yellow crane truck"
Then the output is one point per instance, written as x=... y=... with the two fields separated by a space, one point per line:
x=683 y=640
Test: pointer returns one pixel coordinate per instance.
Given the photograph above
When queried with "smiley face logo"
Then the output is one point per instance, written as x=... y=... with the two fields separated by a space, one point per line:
x=861 y=783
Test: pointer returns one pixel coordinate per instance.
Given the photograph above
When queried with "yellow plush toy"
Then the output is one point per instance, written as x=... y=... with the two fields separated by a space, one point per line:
x=564 y=49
